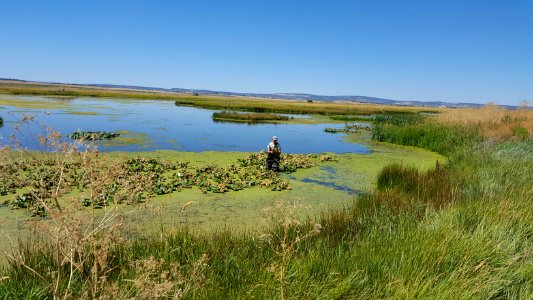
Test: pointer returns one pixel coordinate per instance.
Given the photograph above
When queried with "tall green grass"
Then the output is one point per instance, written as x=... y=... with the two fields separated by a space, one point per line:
x=351 y=118
x=463 y=230
x=417 y=131
x=398 y=118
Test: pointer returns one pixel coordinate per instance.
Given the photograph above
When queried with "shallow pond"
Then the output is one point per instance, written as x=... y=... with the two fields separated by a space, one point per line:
x=147 y=125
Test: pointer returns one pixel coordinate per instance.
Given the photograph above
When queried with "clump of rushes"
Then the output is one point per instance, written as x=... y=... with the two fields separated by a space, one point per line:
x=398 y=118
x=423 y=132
x=248 y=117
x=93 y=135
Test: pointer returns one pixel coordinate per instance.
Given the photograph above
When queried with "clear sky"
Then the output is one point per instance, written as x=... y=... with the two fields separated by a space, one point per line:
x=449 y=50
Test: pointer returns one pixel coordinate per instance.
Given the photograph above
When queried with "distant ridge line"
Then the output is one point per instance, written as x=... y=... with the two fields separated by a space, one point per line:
x=295 y=96
x=285 y=96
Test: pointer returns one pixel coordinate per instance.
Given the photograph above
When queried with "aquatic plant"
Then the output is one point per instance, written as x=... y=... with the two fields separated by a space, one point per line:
x=348 y=128
x=106 y=183
x=93 y=135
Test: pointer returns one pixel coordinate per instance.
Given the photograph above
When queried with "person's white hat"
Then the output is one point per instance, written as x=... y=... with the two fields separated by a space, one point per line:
x=274 y=138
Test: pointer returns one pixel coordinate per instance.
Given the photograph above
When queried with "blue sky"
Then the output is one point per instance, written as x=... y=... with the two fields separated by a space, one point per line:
x=455 y=51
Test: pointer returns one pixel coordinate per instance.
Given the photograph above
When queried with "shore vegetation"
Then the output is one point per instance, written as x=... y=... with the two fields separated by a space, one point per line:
x=248 y=117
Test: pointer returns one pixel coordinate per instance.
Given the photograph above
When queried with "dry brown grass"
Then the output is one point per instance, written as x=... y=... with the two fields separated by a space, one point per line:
x=494 y=121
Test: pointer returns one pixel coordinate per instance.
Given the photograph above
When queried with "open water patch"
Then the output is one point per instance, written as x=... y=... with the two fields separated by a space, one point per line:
x=330 y=170
x=193 y=128
x=332 y=185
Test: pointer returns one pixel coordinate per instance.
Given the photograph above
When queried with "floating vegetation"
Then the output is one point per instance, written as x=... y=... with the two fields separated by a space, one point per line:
x=248 y=117
x=93 y=135
x=128 y=138
x=30 y=202
x=113 y=182
x=347 y=129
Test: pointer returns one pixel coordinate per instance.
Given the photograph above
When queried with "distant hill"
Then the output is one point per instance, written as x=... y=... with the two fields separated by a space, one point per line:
x=287 y=96
x=296 y=96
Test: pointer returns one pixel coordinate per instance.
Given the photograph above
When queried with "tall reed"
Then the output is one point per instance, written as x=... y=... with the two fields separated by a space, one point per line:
x=494 y=121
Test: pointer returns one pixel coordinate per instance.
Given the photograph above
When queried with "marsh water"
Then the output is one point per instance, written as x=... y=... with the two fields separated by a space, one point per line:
x=147 y=125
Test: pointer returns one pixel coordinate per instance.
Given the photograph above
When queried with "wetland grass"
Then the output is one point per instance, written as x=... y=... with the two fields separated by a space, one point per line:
x=351 y=118
x=423 y=132
x=291 y=107
x=460 y=231
x=248 y=117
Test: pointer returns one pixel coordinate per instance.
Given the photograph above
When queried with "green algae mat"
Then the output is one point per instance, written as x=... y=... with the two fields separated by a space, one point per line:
x=326 y=184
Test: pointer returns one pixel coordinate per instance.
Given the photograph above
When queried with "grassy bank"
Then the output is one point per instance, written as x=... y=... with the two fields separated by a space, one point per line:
x=248 y=117
x=295 y=107
x=461 y=230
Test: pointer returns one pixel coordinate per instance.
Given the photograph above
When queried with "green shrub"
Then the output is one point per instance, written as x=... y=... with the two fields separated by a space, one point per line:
x=520 y=132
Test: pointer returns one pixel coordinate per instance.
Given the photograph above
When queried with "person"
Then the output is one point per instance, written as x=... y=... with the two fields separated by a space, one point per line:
x=273 y=154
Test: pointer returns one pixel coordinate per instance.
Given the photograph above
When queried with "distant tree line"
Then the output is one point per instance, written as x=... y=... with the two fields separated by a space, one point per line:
x=12 y=79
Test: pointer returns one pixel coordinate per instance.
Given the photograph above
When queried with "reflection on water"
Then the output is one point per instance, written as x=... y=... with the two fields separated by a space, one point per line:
x=164 y=125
